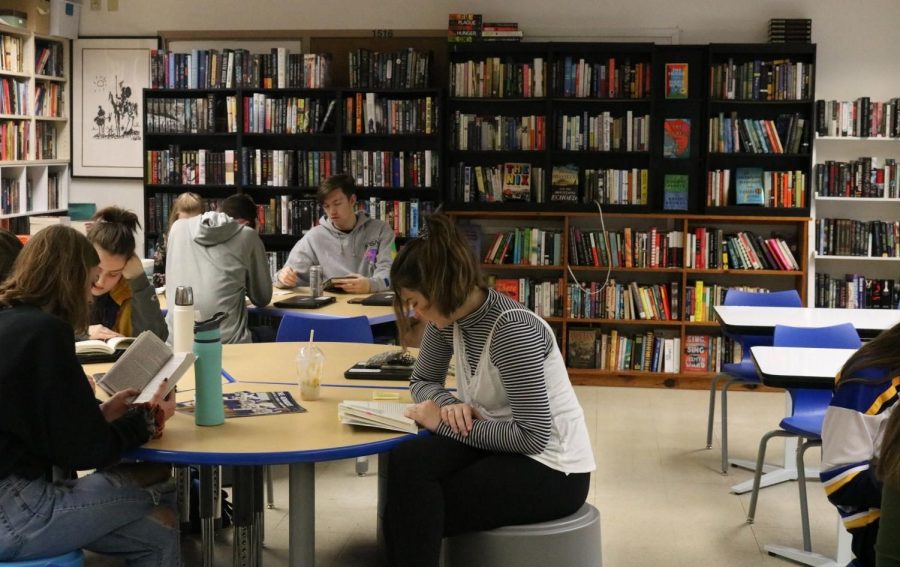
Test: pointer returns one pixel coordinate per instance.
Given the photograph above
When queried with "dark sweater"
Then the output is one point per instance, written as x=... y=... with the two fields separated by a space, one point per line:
x=48 y=414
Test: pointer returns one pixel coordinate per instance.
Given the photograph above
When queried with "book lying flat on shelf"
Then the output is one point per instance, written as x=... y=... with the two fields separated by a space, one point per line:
x=383 y=415
x=246 y=404
x=144 y=366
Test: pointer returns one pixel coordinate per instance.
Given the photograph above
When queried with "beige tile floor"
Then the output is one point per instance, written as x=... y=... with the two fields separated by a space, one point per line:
x=661 y=496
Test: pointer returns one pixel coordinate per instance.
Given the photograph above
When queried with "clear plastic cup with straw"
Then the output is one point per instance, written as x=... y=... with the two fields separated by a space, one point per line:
x=310 y=367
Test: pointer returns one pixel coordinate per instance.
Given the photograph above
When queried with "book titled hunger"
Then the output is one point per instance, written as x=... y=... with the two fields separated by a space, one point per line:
x=144 y=366
x=383 y=415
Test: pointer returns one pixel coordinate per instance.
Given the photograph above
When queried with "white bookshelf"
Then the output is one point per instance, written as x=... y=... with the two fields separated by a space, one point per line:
x=36 y=175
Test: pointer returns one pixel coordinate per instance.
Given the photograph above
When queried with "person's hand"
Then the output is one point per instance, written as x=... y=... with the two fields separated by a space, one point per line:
x=164 y=402
x=116 y=406
x=427 y=414
x=288 y=277
x=133 y=268
x=101 y=332
x=459 y=417
x=353 y=283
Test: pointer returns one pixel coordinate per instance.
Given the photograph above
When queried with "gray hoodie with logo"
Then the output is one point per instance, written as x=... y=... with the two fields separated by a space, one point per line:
x=366 y=250
x=223 y=261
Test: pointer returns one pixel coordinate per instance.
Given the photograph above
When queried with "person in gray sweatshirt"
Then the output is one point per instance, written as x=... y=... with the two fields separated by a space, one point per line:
x=348 y=245
x=220 y=255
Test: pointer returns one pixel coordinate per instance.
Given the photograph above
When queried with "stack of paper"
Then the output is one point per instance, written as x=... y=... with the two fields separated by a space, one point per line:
x=384 y=415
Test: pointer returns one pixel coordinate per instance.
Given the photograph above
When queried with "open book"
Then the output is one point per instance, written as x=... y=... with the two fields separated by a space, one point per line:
x=98 y=346
x=384 y=415
x=144 y=365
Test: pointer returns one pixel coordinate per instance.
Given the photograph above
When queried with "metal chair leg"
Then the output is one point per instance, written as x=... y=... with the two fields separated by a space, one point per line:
x=757 y=475
x=801 y=483
x=270 y=488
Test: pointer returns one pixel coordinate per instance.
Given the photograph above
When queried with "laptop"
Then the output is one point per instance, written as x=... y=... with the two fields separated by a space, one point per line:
x=305 y=302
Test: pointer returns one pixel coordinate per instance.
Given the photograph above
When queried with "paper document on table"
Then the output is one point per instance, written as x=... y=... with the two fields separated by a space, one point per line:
x=384 y=415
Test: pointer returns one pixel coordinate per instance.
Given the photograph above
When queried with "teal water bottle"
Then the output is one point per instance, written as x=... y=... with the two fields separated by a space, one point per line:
x=209 y=408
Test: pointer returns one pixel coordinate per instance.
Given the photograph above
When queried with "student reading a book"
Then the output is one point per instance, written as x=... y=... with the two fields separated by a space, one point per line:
x=511 y=446
x=865 y=395
x=887 y=546
x=220 y=255
x=49 y=418
x=125 y=303
x=345 y=243
x=185 y=206
x=10 y=246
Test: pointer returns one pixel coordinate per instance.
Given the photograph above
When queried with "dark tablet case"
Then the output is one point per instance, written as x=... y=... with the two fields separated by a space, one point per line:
x=304 y=302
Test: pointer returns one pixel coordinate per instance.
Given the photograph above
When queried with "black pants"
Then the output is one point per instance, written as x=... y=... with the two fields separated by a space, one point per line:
x=439 y=487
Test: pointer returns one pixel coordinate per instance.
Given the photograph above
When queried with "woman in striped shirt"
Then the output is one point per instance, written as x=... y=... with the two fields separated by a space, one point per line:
x=864 y=397
x=510 y=446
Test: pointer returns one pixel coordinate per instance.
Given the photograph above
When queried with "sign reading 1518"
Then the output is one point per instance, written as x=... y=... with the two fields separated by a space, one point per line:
x=382 y=34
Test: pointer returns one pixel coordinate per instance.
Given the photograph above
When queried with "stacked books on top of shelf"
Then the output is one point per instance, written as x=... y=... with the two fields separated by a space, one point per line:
x=232 y=68
x=859 y=118
x=402 y=69
x=790 y=30
x=857 y=292
x=779 y=79
x=862 y=177
x=469 y=28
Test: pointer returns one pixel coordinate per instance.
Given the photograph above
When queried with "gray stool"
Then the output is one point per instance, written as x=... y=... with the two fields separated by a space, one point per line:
x=573 y=541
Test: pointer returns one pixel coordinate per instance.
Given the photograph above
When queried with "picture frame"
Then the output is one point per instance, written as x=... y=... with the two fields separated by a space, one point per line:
x=108 y=79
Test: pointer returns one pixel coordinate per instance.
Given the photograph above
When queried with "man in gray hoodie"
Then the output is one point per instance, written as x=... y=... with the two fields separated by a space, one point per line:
x=348 y=245
x=221 y=256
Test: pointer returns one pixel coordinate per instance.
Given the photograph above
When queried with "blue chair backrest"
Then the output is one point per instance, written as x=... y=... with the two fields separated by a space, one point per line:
x=835 y=336
x=736 y=297
x=335 y=330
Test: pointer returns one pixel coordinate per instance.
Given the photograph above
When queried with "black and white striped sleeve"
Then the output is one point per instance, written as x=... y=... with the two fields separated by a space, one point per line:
x=429 y=374
x=518 y=350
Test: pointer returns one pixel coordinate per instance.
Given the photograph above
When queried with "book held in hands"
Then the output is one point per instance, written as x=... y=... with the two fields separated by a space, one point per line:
x=144 y=366
x=383 y=415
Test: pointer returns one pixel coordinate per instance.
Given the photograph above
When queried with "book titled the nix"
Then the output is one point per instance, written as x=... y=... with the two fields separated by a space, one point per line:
x=144 y=366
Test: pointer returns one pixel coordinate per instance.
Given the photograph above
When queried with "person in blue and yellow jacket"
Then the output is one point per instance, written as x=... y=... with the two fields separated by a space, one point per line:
x=865 y=395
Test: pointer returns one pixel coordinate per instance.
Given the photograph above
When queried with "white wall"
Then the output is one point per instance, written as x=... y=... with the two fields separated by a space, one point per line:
x=856 y=40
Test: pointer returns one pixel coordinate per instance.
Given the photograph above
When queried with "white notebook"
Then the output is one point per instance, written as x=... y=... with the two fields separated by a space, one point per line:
x=384 y=415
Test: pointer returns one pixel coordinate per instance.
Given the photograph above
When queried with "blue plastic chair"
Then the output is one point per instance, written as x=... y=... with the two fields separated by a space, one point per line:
x=71 y=559
x=807 y=409
x=743 y=371
x=335 y=330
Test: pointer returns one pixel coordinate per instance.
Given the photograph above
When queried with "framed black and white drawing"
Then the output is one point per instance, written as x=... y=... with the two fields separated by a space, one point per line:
x=109 y=76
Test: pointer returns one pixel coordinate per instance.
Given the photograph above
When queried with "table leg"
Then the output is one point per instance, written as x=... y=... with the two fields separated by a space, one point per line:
x=208 y=487
x=244 y=553
x=302 y=514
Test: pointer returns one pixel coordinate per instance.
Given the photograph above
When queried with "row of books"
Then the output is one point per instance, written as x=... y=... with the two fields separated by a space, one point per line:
x=473 y=132
x=393 y=169
x=45 y=135
x=497 y=78
x=700 y=299
x=605 y=186
x=503 y=182
x=779 y=79
x=284 y=215
x=265 y=114
x=174 y=166
x=604 y=132
x=542 y=297
x=13 y=96
x=17 y=225
x=285 y=168
x=11 y=195
x=861 y=117
x=648 y=352
x=275 y=260
x=790 y=30
x=525 y=246
x=627 y=249
x=208 y=68
x=49 y=99
x=607 y=78
x=159 y=207
x=370 y=113
x=48 y=58
x=406 y=218
x=848 y=237
x=402 y=69
x=854 y=291
x=12 y=49
x=714 y=250
x=469 y=28
x=784 y=135
x=53 y=184
x=624 y=301
x=707 y=353
x=190 y=115
x=754 y=186
x=14 y=140
x=861 y=177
